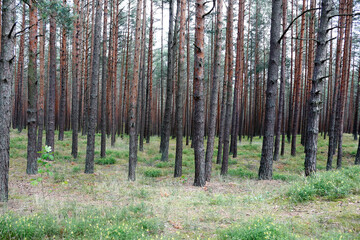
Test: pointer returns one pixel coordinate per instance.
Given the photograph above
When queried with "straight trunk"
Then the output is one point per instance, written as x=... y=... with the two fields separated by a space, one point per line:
x=32 y=92
x=266 y=162
x=6 y=73
x=89 y=162
x=315 y=101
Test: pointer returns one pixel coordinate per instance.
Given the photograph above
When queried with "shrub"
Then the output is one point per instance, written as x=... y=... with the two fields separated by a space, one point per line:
x=153 y=172
x=330 y=185
x=262 y=228
x=105 y=161
x=243 y=173
x=82 y=224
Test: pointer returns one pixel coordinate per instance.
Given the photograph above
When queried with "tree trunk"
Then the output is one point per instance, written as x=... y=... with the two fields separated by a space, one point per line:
x=50 y=130
x=63 y=79
x=89 y=162
x=179 y=95
x=133 y=97
x=266 y=163
x=41 y=97
x=280 y=119
x=6 y=73
x=198 y=119
x=166 y=124
x=32 y=92
x=315 y=101
x=75 y=82
x=227 y=126
x=214 y=91
x=103 y=84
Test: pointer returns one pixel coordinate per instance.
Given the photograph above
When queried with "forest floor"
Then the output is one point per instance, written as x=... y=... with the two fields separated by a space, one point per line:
x=73 y=205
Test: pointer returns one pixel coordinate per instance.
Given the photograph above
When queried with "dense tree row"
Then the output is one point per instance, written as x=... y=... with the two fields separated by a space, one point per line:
x=274 y=71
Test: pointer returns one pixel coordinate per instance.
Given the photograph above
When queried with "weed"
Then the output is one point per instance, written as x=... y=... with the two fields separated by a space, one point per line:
x=105 y=161
x=153 y=172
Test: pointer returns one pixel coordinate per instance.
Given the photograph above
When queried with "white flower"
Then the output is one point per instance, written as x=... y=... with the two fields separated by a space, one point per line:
x=47 y=148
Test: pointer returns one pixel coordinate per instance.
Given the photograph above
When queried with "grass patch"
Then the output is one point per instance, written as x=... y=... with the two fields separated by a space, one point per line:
x=243 y=173
x=105 y=161
x=153 y=172
x=128 y=223
x=331 y=185
x=258 y=229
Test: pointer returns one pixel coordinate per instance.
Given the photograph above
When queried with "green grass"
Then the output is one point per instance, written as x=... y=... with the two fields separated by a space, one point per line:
x=161 y=206
x=331 y=185
x=105 y=161
x=133 y=222
x=153 y=172
x=258 y=229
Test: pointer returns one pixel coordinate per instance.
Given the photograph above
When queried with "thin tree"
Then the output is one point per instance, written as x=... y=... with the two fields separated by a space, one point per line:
x=266 y=163
x=280 y=120
x=166 y=124
x=214 y=91
x=40 y=117
x=198 y=118
x=75 y=82
x=315 y=101
x=32 y=92
x=179 y=94
x=103 y=84
x=6 y=73
x=227 y=126
x=89 y=163
x=50 y=129
x=63 y=79
x=133 y=97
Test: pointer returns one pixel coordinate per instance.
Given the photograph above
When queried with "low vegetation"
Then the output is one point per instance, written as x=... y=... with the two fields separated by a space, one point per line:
x=69 y=204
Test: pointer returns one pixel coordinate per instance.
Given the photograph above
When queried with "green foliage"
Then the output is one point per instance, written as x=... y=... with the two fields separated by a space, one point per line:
x=261 y=228
x=163 y=164
x=43 y=165
x=330 y=185
x=76 y=169
x=105 y=161
x=153 y=172
x=134 y=222
x=243 y=173
x=56 y=8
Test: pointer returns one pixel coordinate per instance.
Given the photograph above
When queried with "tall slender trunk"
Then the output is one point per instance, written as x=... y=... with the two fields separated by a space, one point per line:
x=41 y=100
x=166 y=124
x=63 y=79
x=198 y=119
x=75 y=82
x=227 y=126
x=148 y=114
x=6 y=72
x=32 y=92
x=314 y=103
x=89 y=162
x=133 y=97
x=103 y=84
x=266 y=162
x=180 y=90
x=18 y=111
x=280 y=114
x=344 y=81
x=214 y=91
x=297 y=84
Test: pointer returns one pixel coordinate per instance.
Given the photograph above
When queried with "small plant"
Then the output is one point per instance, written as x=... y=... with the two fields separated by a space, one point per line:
x=44 y=165
x=76 y=169
x=105 y=161
x=258 y=229
x=331 y=185
x=153 y=172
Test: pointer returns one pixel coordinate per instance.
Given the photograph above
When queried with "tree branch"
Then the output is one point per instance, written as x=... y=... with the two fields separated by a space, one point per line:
x=292 y=22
